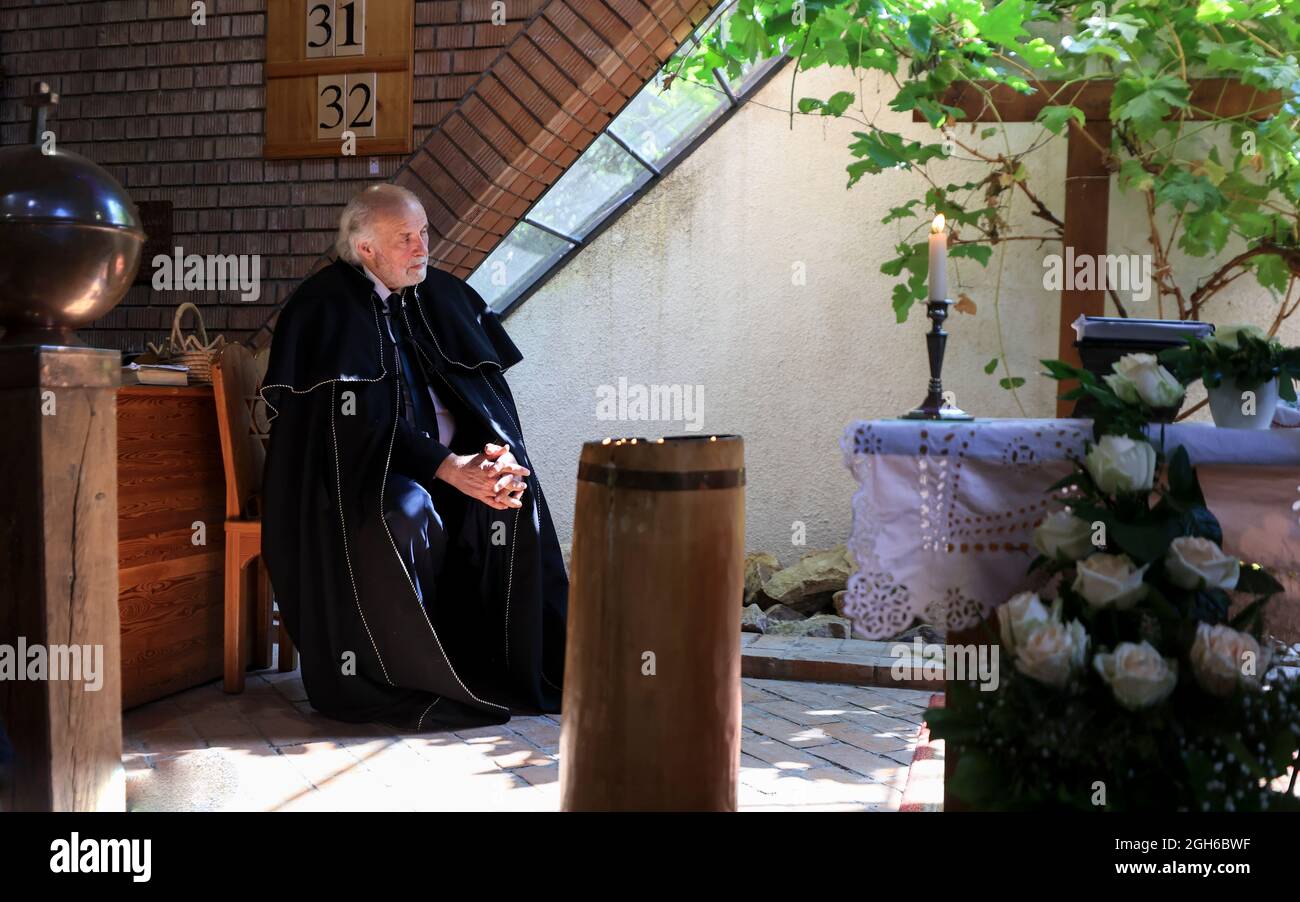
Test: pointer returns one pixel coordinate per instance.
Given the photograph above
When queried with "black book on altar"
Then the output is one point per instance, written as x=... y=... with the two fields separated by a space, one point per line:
x=1103 y=340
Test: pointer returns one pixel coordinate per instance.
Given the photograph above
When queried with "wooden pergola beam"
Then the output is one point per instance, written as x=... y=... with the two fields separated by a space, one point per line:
x=1211 y=98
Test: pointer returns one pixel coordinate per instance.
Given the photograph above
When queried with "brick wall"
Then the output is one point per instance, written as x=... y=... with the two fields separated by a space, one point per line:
x=174 y=112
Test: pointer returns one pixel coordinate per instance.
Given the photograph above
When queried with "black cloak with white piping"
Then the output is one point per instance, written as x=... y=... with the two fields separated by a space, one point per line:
x=494 y=645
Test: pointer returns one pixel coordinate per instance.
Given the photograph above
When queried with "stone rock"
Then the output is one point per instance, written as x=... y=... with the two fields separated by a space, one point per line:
x=821 y=603
x=779 y=612
x=809 y=585
x=759 y=567
x=841 y=548
x=822 y=626
x=753 y=620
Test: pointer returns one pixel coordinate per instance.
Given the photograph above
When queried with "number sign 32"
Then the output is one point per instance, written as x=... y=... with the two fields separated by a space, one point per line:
x=345 y=103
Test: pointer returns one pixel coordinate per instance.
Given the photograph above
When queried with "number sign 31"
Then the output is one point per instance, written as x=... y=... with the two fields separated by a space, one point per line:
x=336 y=28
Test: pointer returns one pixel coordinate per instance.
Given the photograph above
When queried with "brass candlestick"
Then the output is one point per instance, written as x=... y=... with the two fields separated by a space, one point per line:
x=932 y=407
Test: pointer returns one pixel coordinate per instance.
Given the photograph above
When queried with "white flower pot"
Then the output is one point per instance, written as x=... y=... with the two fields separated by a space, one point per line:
x=1227 y=401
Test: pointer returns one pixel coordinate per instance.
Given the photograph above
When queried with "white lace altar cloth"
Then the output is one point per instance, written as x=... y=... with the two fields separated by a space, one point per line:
x=944 y=513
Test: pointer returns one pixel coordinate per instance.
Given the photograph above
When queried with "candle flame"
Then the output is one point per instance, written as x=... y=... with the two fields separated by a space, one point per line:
x=938 y=225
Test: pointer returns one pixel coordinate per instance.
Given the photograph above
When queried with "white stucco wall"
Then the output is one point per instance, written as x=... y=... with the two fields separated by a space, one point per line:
x=694 y=286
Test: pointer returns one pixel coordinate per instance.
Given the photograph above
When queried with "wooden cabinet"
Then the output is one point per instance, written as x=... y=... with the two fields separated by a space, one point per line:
x=171 y=539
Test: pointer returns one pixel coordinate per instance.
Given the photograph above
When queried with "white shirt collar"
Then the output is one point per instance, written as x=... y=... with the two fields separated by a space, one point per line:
x=380 y=288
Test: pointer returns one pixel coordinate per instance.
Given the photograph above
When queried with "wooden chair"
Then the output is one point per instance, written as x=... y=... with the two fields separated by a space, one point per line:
x=242 y=422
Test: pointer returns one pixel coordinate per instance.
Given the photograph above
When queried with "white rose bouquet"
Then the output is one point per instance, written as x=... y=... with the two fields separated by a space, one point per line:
x=1132 y=664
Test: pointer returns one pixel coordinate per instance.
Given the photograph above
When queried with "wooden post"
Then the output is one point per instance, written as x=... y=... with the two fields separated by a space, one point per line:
x=59 y=569
x=1087 y=212
x=652 y=662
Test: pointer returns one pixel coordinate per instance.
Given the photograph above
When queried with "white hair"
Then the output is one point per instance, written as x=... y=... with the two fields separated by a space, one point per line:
x=357 y=221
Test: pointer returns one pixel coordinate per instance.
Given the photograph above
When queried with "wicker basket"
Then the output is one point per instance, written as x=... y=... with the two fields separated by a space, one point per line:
x=197 y=353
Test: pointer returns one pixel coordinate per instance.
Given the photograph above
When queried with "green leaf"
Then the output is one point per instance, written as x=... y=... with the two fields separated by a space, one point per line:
x=912 y=257
x=918 y=33
x=1003 y=23
x=979 y=252
x=1054 y=118
x=1147 y=101
x=1211 y=11
x=1286 y=389
x=1272 y=272
x=1133 y=176
x=1181 y=188
x=1205 y=233
x=1248 y=222
x=883 y=150
x=902 y=212
x=886 y=150
x=1211 y=168
x=991 y=366
x=834 y=106
x=1232 y=56
x=1183 y=484
x=903 y=301
x=1060 y=370
x=874 y=58
x=1012 y=382
x=1255 y=580
x=859 y=169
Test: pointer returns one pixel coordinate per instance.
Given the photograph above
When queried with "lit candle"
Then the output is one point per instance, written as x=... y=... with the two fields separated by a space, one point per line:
x=938 y=259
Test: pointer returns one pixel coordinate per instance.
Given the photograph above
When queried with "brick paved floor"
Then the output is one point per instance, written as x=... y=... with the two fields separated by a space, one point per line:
x=805 y=746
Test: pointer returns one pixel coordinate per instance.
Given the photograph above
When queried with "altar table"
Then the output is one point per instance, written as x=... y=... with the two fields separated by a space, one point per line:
x=944 y=513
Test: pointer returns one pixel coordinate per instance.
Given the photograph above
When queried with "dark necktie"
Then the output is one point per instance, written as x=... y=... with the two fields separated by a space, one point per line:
x=415 y=389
